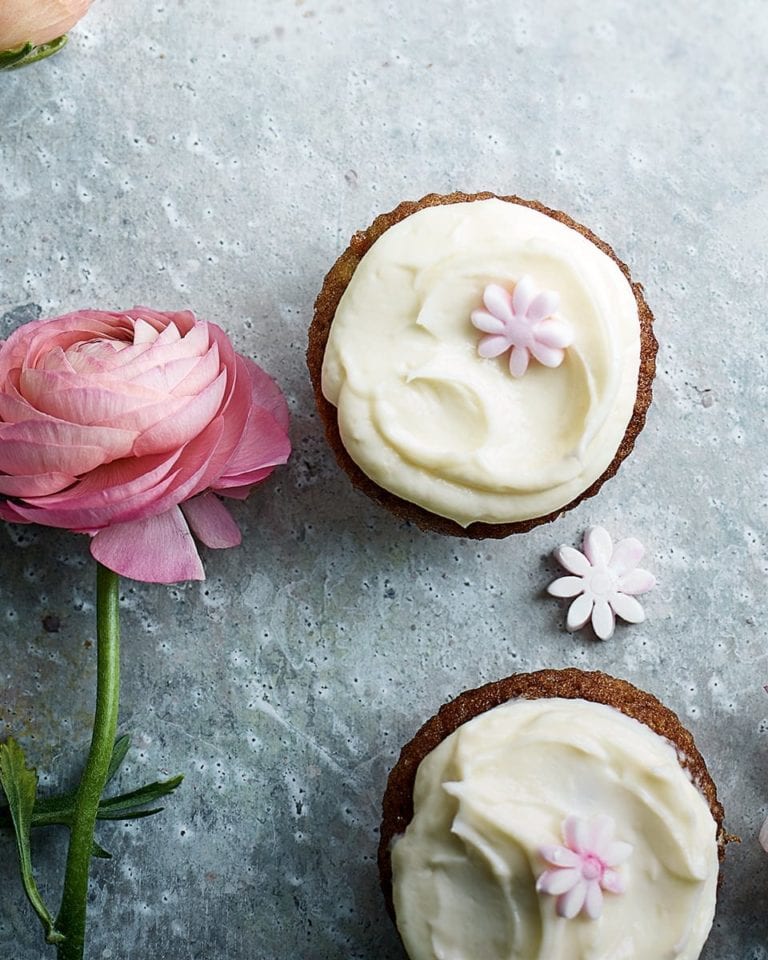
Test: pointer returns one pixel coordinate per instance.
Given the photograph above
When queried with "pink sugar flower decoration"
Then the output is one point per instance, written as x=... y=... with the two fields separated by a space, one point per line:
x=605 y=581
x=522 y=321
x=584 y=866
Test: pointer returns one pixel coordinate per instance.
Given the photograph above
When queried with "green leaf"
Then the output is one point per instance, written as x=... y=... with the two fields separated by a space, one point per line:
x=120 y=749
x=19 y=783
x=9 y=58
x=126 y=806
x=100 y=852
x=27 y=53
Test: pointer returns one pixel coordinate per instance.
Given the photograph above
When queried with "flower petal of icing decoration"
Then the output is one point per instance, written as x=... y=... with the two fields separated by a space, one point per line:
x=524 y=292
x=637 y=581
x=763 y=836
x=603 y=620
x=487 y=322
x=518 y=361
x=593 y=902
x=543 y=305
x=499 y=303
x=583 y=867
x=553 y=333
x=626 y=555
x=523 y=322
x=559 y=856
x=547 y=356
x=579 y=613
x=573 y=560
x=493 y=346
x=628 y=608
x=604 y=582
x=598 y=546
x=555 y=882
x=566 y=587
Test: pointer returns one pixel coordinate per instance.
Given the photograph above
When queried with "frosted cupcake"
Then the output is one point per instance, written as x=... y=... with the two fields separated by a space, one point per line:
x=560 y=815
x=480 y=363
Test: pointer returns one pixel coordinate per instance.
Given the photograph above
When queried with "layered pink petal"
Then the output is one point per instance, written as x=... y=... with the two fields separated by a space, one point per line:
x=39 y=485
x=264 y=443
x=156 y=550
x=211 y=522
x=40 y=446
x=185 y=424
x=266 y=393
x=109 y=421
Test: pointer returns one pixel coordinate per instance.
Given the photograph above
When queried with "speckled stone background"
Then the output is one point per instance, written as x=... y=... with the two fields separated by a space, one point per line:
x=218 y=154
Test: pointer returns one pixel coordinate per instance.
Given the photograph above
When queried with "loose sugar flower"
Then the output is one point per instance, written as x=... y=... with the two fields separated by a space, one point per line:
x=605 y=581
x=763 y=836
x=523 y=321
x=583 y=866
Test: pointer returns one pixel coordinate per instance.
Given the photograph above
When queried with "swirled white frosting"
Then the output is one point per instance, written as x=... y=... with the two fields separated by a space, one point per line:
x=499 y=788
x=427 y=418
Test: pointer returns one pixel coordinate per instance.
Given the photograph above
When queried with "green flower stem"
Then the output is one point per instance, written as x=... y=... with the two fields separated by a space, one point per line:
x=71 y=920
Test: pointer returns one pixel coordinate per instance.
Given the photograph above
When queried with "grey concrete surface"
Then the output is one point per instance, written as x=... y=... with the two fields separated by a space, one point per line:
x=218 y=154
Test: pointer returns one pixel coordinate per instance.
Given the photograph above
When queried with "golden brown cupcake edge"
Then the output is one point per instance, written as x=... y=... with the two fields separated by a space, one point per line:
x=333 y=288
x=570 y=684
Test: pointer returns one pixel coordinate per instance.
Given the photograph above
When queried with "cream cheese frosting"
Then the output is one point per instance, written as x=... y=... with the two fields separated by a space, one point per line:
x=429 y=419
x=494 y=795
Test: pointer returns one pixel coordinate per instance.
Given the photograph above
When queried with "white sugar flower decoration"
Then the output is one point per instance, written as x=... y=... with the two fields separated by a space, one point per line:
x=524 y=322
x=605 y=582
x=581 y=868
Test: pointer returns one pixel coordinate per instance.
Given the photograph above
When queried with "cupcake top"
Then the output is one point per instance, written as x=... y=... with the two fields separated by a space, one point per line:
x=484 y=361
x=556 y=829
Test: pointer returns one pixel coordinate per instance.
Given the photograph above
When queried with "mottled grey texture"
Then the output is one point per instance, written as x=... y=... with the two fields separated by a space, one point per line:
x=218 y=154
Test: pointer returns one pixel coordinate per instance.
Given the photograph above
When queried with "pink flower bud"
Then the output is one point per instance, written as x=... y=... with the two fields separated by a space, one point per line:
x=37 y=21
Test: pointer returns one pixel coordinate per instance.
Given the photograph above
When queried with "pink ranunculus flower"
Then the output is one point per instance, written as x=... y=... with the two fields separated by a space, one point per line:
x=126 y=426
x=37 y=21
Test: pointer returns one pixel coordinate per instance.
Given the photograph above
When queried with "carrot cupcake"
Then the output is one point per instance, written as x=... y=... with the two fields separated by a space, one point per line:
x=557 y=814
x=480 y=363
